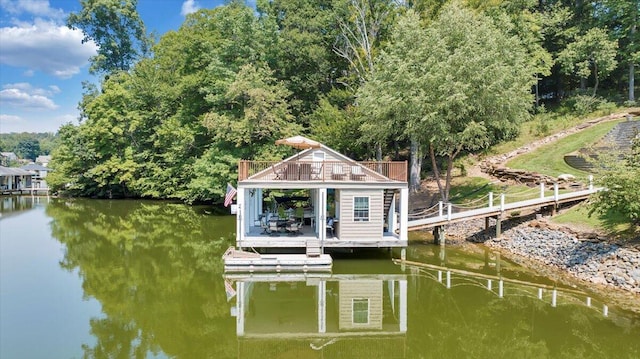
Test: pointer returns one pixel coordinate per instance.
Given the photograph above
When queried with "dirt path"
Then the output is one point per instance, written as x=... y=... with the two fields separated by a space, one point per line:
x=428 y=193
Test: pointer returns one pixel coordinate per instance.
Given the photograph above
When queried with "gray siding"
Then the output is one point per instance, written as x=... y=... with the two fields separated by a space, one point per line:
x=360 y=289
x=348 y=229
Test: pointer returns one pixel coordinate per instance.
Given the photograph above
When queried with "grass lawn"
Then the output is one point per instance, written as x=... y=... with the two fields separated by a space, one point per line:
x=543 y=125
x=472 y=189
x=613 y=225
x=549 y=159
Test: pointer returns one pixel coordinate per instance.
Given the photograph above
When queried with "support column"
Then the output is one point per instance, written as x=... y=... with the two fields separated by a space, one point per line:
x=403 y=305
x=240 y=308
x=322 y=220
x=498 y=225
x=240 y=225
x=554 y=209
x=404 y=214
x=322 y=306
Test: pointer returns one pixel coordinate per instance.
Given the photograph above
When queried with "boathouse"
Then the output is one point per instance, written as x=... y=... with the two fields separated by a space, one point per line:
x=14 y=179
x=327 y=313
x=334 y=202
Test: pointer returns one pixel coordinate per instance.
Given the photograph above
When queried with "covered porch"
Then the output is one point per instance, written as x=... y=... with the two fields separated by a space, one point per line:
x=294 y=224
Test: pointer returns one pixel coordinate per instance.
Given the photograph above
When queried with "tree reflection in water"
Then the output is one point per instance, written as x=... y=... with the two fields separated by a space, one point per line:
x=155 y=268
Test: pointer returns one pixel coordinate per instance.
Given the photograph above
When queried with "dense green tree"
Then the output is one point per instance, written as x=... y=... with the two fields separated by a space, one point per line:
x=591 y=55
x=28 y=149
x=621 y=178
x=622 y=18
x=116 y=27
x=463 y=88
x=9 y=142
x=303 y=56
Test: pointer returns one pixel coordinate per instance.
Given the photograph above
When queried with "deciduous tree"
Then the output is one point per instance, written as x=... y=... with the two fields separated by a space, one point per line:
x=117 y=29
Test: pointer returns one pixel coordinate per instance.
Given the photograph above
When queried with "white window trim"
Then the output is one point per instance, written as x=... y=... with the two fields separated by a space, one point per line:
x=353 y=312
x=368 y=208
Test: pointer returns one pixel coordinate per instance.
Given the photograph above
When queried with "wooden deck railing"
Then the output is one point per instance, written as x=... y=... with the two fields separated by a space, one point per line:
x=323 y=171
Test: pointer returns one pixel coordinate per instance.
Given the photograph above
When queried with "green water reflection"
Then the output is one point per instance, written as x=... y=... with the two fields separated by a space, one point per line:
x=155 y=270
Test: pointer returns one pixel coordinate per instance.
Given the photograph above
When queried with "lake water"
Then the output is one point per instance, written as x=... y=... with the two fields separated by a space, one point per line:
x=144 y=279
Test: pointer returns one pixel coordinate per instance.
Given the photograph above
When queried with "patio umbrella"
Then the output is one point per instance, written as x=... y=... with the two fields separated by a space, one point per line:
x=299 y=142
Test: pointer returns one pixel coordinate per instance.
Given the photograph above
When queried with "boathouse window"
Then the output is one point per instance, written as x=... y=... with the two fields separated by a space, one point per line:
x=361 y=209
x=360 y=311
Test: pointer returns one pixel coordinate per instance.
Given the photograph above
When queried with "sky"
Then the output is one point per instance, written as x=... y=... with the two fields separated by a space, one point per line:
x=43 y=63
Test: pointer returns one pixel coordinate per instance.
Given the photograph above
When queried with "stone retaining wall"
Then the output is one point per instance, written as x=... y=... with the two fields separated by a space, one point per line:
x=584 y=256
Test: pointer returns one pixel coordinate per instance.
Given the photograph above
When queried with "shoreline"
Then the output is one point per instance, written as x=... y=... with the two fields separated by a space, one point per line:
x=607 y=268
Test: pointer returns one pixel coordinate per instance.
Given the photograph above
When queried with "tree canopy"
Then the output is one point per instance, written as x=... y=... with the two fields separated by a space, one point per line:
x=370 y=78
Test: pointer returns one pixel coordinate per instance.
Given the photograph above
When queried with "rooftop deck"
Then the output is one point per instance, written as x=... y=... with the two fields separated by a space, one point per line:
x=322 y=171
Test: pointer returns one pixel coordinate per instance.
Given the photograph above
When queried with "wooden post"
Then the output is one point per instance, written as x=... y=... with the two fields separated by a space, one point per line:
x=486 y=223
x=498 y=225
x=542 y=189
x=490 y=199
x=440 y=208
x=438 y=235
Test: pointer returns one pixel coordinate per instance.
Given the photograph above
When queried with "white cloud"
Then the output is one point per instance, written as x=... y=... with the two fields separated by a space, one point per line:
x=27 y=88
x=33 y=7
x=188 y=7
x=9 y=118
x=16 y=97
x=45 y=46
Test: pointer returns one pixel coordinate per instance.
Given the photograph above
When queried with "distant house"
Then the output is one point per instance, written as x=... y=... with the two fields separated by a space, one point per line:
x=12 y=179
x=348 y=203
x=39 y=173
x=7 y=157
x=43 y=160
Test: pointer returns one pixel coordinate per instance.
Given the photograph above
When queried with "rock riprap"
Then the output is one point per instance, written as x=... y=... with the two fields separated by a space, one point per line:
x=588 y=259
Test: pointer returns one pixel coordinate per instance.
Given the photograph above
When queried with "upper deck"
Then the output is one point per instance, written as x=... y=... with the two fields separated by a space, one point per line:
x=323 y=171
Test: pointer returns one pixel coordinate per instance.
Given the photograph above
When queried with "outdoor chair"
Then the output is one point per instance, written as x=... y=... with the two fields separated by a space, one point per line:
x=337 y=172
x=330 y=226
x=293 y=228
x=273 y=227
x=263 y=224
x=316 y=170
x=356 y=173
x=280 y=173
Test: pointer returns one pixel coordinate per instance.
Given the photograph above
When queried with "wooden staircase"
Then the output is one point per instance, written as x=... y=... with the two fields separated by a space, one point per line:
x=313 y=248
x=388 y=198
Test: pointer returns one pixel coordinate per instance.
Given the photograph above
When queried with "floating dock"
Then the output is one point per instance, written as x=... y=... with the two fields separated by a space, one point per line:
x=249 y=262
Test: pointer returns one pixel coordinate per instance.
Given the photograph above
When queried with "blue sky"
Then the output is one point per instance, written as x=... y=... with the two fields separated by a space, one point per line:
x=43 y=63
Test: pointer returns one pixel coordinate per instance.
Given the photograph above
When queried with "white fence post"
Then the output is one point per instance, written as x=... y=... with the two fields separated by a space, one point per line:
x=440 y=209
x=590 y=182
x=449 y=211
x=490 y=199
x=501 y=202
x=542 y=189
x=555 y=191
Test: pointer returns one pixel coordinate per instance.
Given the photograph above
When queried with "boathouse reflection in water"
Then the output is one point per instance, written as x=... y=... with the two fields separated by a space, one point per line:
x=334 y=314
